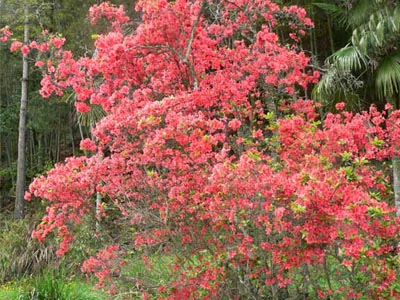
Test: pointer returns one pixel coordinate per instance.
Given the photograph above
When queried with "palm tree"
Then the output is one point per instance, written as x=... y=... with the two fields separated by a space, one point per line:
x=369 y=65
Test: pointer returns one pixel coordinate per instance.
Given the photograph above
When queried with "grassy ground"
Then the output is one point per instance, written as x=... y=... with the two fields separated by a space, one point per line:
x=52 y=285
x=30 y=270
x=48 y=287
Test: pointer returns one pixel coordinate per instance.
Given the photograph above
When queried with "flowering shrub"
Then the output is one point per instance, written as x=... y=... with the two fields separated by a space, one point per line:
x=191 y=154
x=5 y=34
x=105 y=265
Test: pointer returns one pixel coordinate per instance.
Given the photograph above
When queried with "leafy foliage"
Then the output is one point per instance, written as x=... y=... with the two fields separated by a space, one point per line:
x=371 y=56
x=19 y=253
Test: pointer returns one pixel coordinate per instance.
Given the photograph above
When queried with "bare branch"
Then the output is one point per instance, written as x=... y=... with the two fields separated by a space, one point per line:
x=182 y=57
x=193 y=31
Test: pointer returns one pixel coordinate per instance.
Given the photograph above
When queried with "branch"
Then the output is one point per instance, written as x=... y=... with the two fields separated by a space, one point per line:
x=193 y=31
x=182 y=57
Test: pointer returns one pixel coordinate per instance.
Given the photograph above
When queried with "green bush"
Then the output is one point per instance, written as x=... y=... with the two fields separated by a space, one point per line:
x=20 y=255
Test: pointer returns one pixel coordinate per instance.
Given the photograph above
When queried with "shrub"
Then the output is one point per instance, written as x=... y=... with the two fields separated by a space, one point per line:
x=192 y=153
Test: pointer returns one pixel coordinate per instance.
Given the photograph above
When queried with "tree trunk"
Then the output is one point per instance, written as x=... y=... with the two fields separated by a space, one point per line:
x=21 y=167
x=396 y=182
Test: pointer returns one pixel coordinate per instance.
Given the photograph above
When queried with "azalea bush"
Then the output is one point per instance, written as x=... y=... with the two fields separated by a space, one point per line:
x=212 y=155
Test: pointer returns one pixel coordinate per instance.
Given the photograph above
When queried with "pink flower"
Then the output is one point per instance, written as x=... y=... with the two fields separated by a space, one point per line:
x=290 y=90
x=388 y=106
x=88 y=144
x=258 y=134
x=82 y=107
x=27 y=196
x=25 y=49
x=34 y=45
x=340 y=106
x=15 y=46
x=58 y=42
x=6 y=34
x=234 y=124
x=39 y=64
x=347 y=263
x=44 y=47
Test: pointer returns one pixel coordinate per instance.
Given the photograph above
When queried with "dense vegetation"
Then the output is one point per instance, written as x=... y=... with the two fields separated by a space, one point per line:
x=175 y=154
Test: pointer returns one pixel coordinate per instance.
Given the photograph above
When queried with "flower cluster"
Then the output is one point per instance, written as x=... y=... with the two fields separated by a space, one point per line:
x=5 y=34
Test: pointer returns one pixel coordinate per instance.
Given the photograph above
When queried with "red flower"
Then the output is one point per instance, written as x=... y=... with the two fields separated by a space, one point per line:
x=234 y=124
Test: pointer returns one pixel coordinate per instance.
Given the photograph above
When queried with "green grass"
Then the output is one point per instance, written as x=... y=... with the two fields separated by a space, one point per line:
x=49 y=287
x=158 y=273
x=54 y=285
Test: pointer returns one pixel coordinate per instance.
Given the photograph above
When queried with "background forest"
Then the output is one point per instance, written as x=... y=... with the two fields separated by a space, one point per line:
x=354 y=45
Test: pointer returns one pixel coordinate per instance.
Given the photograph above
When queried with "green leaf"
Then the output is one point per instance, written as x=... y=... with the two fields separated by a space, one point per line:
x=335 y=10
x=375 y=211
x=345 y=156
x=269 y=115
x=360 y=12
x=329 y=7
x=377 y=142
x=348 y=58
x=387 y=77
x=297 y=208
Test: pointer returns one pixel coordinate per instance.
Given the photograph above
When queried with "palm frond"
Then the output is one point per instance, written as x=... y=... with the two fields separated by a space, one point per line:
x=348 y=58
x=375 y=38
x=337 y=85
x=394 y=21
x=359 y=12
x=335 y=11
x=90 y=118
x=68 y=98
x=360 y=40
x=387 y=78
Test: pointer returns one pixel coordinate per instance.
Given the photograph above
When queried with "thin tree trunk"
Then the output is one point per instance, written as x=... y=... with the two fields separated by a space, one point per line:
x=99 y=199
x=21 y=167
